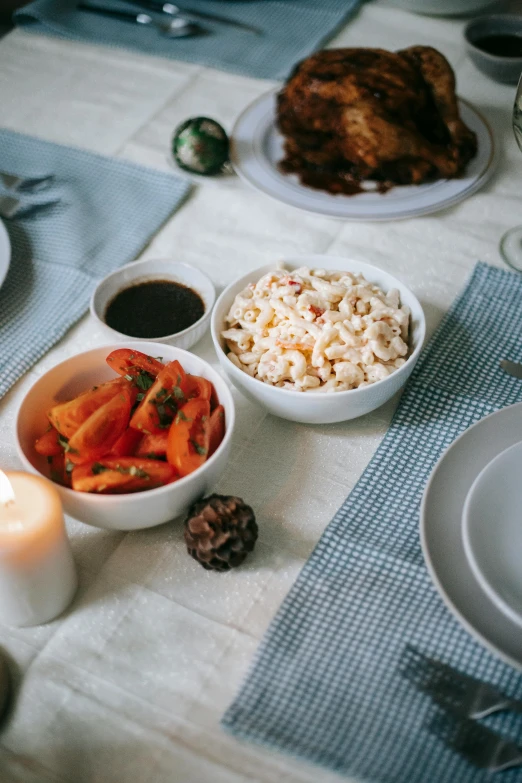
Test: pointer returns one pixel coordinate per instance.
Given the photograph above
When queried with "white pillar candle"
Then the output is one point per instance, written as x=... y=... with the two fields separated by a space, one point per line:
x=37 y=573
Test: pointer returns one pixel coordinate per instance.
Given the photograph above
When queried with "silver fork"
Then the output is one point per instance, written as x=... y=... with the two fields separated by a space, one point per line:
x=454 y=690
x=20 y=184
x=478 y=744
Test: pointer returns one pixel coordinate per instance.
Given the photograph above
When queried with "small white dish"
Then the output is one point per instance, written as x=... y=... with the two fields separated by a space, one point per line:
x=441 y=531
x=317 y=407
x=492 y=531
x=129 y=511
x=155 y=269
x=256 y=147
x=5 y=252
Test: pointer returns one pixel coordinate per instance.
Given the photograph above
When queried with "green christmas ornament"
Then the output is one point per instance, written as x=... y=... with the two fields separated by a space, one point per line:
x=200 y=145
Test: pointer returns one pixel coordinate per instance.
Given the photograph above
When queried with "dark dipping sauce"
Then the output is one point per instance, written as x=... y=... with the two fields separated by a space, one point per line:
x=156 y=308
x=500 y=45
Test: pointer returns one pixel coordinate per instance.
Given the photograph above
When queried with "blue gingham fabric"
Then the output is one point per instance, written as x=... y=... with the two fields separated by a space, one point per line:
x=108 y=211
x=326 y=682
x=291 y=30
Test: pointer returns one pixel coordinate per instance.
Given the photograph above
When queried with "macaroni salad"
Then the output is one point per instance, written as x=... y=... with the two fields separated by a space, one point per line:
x=316 y=331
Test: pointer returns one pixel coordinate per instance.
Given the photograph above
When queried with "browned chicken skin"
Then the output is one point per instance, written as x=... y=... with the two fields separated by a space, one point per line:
x=354 y=114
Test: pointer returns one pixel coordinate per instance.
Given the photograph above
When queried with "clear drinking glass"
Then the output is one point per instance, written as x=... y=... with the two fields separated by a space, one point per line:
x=511 y=242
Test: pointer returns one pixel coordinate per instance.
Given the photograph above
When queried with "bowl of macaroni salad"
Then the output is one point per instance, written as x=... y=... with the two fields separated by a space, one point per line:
x=318 y=339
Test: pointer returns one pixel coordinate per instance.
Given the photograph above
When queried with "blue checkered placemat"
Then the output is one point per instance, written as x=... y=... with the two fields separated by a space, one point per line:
x=291 y=30
x=108 y=211
x=325 y=684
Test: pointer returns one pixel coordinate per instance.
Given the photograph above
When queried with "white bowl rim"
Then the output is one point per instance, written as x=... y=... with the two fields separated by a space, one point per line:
x=513 y=19
x=481 y=578
x=314 y=394
x=114 y=499
x=143 y=263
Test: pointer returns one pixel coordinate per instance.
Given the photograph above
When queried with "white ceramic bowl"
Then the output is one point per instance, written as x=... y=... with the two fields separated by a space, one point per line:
x=317 y=407
x=131 y=511
x=492 y=533
x=156 y=269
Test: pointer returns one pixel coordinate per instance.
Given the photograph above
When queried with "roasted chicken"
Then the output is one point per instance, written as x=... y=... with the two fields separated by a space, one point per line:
x=349 y=115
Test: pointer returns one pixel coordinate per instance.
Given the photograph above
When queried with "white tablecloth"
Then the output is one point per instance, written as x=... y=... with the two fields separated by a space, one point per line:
x=130 y=684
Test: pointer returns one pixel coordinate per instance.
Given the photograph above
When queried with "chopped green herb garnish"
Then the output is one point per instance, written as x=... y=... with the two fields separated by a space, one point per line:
x=181 y=417
x=65 y=445
x=198 y=449
x=69 y=466
x=134 y=471
x=143 y=380
x=128 y=377
x=139 y=396
x=98 y=468
x=178 y=394
x=165 y=420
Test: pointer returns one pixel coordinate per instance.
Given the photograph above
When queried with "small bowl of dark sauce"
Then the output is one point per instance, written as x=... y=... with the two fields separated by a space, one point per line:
x=494 y=44
x=157 y=300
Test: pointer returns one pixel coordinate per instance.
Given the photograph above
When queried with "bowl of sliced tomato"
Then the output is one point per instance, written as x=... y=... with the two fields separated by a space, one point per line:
x=130 y=435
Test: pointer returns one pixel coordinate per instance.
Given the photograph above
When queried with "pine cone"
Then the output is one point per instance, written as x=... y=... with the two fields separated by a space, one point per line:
x=220 y=531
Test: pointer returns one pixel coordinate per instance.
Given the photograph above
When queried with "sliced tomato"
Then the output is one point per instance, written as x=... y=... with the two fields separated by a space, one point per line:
x=160 y=404
x=49 y=444
x=196 y=386
x=67 y=417
x=214 y=402
x=126 y=444
x=188 y=441
x=217 y=428
x=127 y=362
x=153 y=446
x=103 y=428
x=58 y=472
x=121 y=474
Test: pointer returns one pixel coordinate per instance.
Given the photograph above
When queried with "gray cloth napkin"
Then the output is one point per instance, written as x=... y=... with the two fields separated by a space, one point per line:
x=108 y=211
x=291 y=29
x=326 y=683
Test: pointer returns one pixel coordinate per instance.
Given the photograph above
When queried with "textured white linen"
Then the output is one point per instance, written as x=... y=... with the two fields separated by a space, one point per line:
x=131 y=683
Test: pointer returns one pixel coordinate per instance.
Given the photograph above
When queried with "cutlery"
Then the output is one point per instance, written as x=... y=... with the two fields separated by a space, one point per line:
x=512 y=368
x=454 y=690
x=25 y=184
x=478 y=744
x=11 y=207
x=176 y=10
x=175 y=28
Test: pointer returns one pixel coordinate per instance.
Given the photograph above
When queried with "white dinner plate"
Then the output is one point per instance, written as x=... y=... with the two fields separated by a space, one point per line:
x=492 y=531
x=441 y=531
x=5 y=252
x=256 y=147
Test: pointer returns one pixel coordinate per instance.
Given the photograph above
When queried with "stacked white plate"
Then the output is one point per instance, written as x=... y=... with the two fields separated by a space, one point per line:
x=471 y=531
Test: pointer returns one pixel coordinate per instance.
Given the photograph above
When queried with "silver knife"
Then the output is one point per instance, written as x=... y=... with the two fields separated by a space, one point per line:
x=512 y=368
x=174 y=10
